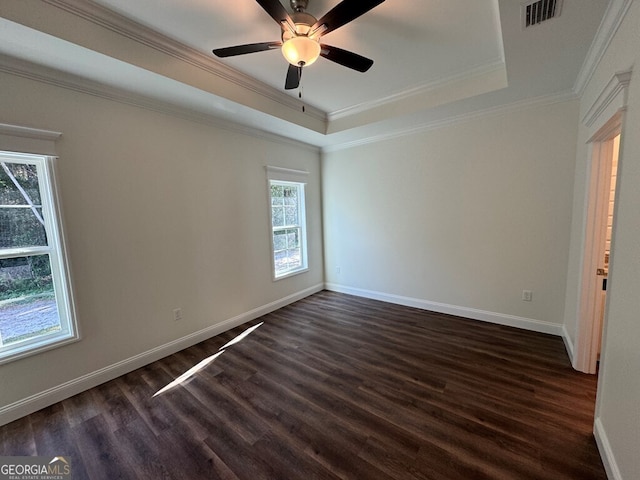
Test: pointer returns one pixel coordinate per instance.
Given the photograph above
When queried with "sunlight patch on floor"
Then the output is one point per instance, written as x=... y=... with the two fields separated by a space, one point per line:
x=196 y=368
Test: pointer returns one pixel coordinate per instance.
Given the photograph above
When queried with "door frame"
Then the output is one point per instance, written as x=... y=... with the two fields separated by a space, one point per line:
x=589 y=313
x=604 y=121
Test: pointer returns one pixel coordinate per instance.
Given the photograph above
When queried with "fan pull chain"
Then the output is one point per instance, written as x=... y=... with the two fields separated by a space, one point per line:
x=300 y=91
x=300 y=97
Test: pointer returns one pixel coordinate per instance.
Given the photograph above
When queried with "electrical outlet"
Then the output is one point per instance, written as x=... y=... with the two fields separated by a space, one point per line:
x=527 y=295
x=338 y=270
x=177 y=314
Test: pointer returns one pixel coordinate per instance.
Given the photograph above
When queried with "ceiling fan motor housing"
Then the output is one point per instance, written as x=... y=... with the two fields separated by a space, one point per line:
x=303 y=22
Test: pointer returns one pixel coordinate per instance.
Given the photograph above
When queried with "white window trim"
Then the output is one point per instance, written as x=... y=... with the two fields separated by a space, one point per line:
x=39 y=146
x=287 y=175
x=18 y=139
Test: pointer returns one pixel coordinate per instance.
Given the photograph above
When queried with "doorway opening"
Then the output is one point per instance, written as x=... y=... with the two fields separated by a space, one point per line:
x=598 y=252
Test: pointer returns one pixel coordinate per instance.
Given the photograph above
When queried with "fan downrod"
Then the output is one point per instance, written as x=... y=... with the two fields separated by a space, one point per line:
x=299 y=5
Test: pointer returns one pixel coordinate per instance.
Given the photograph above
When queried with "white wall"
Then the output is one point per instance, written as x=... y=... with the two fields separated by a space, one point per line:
x=458 y=219
x=160 y=213
x=618 y=404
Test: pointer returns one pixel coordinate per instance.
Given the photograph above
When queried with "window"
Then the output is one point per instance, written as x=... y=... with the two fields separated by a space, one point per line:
x=288 y=225
x=35 y=302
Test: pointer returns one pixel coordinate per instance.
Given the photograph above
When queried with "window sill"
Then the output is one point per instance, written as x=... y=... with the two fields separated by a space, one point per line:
x=291 y=274
x=23 y=351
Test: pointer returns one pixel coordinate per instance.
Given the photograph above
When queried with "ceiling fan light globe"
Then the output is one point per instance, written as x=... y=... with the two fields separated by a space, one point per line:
x=301 y=50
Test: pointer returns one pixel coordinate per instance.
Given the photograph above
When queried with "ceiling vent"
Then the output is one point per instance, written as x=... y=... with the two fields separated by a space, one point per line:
x=534 y=13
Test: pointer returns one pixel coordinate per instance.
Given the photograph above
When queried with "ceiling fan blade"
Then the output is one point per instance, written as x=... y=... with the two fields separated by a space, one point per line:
x=244 y=49
x=294 y=74
x=343 y=13
x=275 y=9
x=346 y=58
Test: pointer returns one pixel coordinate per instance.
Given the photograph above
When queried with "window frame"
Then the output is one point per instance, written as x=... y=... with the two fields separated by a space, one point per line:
x=288 y=177
x=56 y=251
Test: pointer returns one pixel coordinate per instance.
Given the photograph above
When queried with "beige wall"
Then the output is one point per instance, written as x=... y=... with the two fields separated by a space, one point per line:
x=160 y=213
x=461 y=218
x=618 y=411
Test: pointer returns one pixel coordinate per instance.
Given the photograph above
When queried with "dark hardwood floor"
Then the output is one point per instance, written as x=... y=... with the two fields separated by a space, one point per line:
x=334 y=387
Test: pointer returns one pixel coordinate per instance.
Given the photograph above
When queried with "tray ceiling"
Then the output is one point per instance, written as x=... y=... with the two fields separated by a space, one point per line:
x=433 y=59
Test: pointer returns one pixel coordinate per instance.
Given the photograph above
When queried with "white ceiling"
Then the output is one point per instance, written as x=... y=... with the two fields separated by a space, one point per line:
x=434 y=59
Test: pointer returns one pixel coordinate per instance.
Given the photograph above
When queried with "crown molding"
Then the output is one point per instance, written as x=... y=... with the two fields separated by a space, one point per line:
x=545 y=100
x=119 y=24
x=418 y=91
x=67 y=81
x=613 y=17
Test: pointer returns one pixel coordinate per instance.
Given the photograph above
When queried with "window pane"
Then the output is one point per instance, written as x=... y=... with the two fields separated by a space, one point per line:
x=277 y=194
x=277 y=216
x=279 y=240
x=27 y=299
x=280 y=261
x=27 y=177
x=286 y=260
x=293 y=239
x=293 y=258
x=21 y=218
x=291 y=195
x=291 y=215
x=19 y=227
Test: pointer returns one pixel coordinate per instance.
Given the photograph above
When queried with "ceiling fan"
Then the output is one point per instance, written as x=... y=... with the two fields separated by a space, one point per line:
x=301 y=33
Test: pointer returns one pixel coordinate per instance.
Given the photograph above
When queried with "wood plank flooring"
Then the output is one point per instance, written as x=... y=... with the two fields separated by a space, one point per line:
x=335 y=387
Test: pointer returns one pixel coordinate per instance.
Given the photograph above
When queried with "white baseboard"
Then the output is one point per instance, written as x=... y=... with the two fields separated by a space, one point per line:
x=568 y=344
x=609 y=461
x=58 y=393
x=491 y=317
